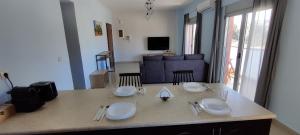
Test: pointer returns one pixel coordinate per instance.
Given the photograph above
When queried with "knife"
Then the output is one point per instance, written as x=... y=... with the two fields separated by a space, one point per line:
x=98 y=112
x=195 y=110
x=103 y=113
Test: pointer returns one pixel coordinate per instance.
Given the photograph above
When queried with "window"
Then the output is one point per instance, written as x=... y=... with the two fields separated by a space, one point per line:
x=190 y=34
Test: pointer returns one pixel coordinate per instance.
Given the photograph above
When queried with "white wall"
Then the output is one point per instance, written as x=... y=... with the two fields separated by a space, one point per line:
x=208 y=18
x=86 y=12
x=32 y=42
x=286 y=89
x=135 y=24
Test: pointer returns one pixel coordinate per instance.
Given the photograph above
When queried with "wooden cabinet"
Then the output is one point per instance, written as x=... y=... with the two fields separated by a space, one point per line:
x=261 y=127
x=257 y=127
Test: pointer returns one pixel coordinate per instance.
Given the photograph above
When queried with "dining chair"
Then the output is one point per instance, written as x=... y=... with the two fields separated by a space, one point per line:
x=183 y=76
x=130 y=79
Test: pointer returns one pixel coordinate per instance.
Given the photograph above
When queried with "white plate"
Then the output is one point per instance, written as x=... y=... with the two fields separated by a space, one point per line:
x=194 y=87
x=120 y=111
x=125 y=91
x=215 y=106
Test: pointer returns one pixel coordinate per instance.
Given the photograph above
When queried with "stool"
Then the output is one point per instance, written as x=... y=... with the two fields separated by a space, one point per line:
x=99 y=79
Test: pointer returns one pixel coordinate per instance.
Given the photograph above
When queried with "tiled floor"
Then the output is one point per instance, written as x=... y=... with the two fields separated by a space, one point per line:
x=131 y=67
x=277 y=129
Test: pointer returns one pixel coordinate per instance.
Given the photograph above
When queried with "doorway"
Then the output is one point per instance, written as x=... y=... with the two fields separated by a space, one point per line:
x=233 y=34
x=110 y=47
x=245 y=40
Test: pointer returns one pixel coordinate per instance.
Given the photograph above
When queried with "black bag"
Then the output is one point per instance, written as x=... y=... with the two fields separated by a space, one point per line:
x=47 y=90
x=26 y=99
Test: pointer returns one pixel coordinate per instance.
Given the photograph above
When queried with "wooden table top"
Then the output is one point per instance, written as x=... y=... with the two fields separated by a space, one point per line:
x=74 y=111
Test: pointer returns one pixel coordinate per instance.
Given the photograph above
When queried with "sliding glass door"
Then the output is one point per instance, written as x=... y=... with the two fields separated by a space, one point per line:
x=233 y=34
x=245 y=41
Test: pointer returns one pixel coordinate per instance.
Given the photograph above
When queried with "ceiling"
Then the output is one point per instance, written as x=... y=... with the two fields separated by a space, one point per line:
x=140 y=4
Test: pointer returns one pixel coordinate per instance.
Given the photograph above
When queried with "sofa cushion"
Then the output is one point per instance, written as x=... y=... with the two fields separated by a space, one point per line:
x=194 y=57
x=152 y=58
x=198 y=67
x=153 y=72
x=173 y=57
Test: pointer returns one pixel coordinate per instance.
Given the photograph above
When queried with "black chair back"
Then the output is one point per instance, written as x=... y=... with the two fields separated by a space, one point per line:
x=183 y=76
x=130 y=79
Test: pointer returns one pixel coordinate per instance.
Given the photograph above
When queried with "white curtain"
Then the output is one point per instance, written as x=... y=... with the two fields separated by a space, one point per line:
x=257 y=28
x=190 y=38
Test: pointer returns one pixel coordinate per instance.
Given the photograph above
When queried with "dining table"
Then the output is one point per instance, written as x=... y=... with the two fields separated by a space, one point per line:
x=72 y=112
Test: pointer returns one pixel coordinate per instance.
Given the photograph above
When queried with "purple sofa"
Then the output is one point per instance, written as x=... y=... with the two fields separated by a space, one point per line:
x=159 y=69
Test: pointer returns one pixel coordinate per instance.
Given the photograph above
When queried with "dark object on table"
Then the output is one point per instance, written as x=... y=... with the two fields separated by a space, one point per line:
x=130 y=79
x=165 y=99
x=26 y=99
x=47 y=90
x=165 y=95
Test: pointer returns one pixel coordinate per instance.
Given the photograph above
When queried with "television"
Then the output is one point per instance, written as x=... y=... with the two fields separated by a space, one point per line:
x=158 y=43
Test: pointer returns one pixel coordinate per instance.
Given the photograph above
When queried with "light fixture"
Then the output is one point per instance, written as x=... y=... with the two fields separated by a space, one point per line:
x=149 y=8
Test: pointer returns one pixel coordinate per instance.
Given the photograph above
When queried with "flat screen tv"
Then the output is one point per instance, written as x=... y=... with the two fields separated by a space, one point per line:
x=158 y=43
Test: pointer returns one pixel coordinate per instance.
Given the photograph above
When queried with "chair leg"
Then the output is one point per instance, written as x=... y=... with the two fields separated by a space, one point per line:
x=186 y=76
x=181 y=78
x=193 y=79
x=132 y=80
x=129 y=81
x=126 y=81
x=120 y=81
x=139 y=81
x=177 y=79
x=135 y=81
x=174 y=76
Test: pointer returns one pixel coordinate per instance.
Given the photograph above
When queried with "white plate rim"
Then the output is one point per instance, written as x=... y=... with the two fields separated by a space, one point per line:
x=127 y=116
x=224 y=112
x=193 y=89
x=125 y=95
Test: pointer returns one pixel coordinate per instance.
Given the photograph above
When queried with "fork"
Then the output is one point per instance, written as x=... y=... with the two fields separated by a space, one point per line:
x=99 y=111
x=195 y=107
x=141 y=91
x=103 y=113
x=198 y=106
